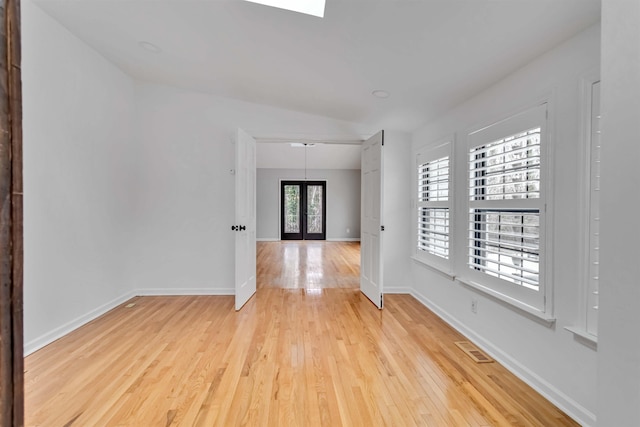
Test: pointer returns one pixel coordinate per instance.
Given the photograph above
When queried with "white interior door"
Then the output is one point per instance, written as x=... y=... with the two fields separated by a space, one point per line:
x=371 y=219
x=245 y=224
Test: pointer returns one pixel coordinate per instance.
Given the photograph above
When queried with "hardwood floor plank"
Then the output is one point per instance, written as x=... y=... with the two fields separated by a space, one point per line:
x=312 y=265
x=298 y=354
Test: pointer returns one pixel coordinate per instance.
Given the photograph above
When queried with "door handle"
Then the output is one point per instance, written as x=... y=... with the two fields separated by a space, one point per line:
x=242 y=228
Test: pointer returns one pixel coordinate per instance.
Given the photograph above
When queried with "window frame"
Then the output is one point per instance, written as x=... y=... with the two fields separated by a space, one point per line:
x=537 y=302
x=582 y=327
x=428 y=153
x=593 y=215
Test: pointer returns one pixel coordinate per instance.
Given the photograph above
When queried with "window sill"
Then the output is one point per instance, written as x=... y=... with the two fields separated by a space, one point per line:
x=511 y=302
x=583 y=335
x=440 y=270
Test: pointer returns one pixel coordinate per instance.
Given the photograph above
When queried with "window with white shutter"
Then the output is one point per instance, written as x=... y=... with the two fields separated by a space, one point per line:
x=506 y=207
x=433 y=209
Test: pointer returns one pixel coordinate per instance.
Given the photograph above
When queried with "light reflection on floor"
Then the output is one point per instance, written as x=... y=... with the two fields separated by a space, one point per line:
x=309 y=265
x=315 y=269
x=303 y=265
x=291 y=266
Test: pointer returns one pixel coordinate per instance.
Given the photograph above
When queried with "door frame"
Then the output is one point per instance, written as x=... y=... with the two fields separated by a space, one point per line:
x=302 y=235
x=11 y=223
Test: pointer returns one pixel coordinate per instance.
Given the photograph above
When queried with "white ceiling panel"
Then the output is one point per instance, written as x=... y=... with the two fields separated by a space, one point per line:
x=428 y=54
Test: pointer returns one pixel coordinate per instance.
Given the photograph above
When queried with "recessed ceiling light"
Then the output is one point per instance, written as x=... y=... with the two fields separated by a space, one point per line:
x=150 y=47
x=310 y=7
x=380 y=94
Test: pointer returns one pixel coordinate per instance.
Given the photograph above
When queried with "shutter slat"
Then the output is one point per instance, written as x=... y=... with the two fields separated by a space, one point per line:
x=433 y=180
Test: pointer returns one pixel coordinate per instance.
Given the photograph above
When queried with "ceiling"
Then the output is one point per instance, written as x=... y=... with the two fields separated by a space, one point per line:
x=429 y=54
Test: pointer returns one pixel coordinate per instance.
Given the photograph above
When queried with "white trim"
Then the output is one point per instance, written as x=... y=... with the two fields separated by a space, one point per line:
x=397 y=290
x=144 y=292
x=569 y=406
x=584 y=213
x=507 y=299
x=436 y=268
x=332 y=239
x=286 y=138
x=547 y=220
x=61 y=331
x=434 y=151
x=583 y=334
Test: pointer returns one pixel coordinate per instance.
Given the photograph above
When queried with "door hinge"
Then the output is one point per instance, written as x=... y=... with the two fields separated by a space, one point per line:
x=382 y=228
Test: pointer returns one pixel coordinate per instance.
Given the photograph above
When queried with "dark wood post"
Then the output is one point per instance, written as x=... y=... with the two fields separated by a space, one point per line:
x=11 y=240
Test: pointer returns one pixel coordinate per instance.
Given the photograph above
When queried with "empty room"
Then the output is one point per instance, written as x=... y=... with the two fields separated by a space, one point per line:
x=376 y=212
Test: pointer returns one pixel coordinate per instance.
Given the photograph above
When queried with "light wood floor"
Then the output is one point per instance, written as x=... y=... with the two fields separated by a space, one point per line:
x=311 y=265
x=311 y=356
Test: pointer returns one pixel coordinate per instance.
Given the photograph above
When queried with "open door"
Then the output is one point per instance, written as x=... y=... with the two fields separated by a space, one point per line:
x=245 y=225
x=371 y=219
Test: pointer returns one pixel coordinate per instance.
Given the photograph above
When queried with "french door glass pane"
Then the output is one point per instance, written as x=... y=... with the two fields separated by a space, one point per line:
x=314 y=209
x=292 y=208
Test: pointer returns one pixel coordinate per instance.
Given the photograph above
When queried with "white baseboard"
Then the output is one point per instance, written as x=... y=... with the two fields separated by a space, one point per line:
x=45 y=339
x=59 y=332
x=146 y=292
x=337 y=239
x=397 y=290
x=565 y=403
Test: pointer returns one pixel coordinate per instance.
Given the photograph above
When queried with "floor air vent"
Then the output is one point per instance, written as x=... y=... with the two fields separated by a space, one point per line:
x=473 y=352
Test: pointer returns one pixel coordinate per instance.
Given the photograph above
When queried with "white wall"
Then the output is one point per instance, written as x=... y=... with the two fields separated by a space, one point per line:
x=343 y=201
x=619 y=314
x=396 y=215
x=186 y=197
x=128 y=187
x=548 y=357
x=78 y=112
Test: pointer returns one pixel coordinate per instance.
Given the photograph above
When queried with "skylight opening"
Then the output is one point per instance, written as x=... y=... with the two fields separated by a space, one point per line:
x=309 y=7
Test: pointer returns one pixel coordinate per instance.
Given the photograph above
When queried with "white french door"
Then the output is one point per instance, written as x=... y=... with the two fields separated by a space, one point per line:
x=371 y=227
x=245 y=218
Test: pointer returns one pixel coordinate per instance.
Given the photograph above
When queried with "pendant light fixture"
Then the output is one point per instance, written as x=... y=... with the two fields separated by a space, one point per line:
x=304 y=145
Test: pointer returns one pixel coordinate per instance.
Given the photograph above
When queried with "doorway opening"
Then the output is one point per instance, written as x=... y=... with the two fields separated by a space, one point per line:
x=303 y=210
